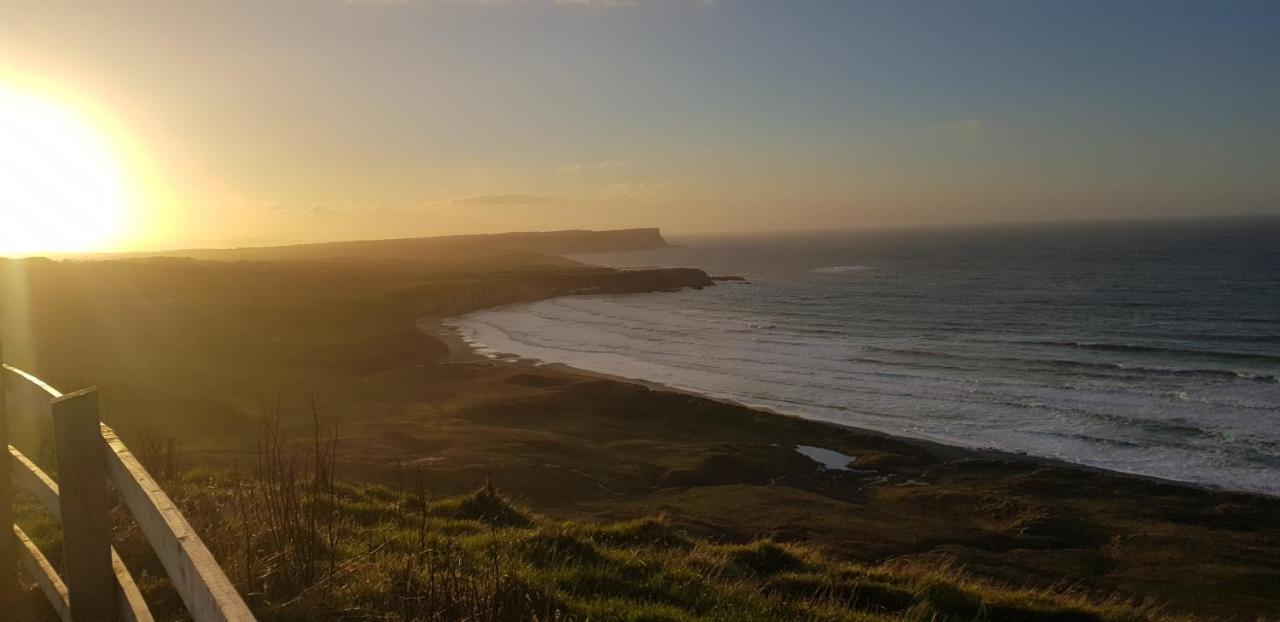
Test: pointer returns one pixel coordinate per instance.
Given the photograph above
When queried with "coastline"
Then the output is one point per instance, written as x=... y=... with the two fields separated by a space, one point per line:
x=596 y=446
x=569 y=444
x=463 y=351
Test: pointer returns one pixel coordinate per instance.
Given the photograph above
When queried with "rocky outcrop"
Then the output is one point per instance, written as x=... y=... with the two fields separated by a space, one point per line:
x=451 y=298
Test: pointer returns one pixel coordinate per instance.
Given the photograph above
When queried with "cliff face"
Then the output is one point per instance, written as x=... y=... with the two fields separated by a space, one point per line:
x=578 y=241
x=452 y=298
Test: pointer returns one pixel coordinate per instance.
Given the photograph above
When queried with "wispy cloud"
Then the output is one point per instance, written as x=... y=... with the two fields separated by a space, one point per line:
x=640 y=190
x=504 y=199
x=590 y=166
x=313 y=209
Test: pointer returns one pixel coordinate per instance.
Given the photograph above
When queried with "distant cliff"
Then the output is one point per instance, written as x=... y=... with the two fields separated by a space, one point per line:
x=573 y=241
x=452 y=298
x=492 y=248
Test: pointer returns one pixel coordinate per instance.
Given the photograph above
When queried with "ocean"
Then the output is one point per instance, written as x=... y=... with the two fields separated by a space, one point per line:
x=1143 y=347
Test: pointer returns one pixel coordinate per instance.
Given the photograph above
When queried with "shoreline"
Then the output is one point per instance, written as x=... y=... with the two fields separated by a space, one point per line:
x=361 y=346
x=463 y=352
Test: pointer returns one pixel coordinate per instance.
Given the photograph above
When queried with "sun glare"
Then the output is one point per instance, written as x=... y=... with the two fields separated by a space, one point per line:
x=62 y=189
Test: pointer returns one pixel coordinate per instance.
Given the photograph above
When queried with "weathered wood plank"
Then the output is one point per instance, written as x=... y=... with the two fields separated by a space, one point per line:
x=28 y=404
x=86 y=528
x=30 y=428
x=26 y=474
x=29 y=408
x=42 y=571
x=132 y=606
x=196 y=575
x=27 y=386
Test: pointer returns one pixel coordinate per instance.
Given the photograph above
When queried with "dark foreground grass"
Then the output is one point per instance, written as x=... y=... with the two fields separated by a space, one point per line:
x=358 y=552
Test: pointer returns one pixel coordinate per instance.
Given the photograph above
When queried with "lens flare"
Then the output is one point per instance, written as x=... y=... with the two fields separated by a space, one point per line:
x=62 y=188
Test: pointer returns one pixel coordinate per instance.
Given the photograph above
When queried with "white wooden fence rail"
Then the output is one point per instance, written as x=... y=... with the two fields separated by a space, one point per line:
x=95 y=585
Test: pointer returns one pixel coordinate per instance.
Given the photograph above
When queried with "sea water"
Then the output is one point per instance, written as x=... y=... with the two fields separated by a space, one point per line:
x=1143 y=347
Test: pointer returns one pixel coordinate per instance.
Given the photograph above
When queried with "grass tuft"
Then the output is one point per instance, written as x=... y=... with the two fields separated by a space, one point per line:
x=648 y=531
x=302 y=546
x=484 y=505
x=559 y=548
x=764 y=558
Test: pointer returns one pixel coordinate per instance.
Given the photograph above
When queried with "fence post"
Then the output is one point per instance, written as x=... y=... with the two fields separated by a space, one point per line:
x=86 y=530
x=8 y=543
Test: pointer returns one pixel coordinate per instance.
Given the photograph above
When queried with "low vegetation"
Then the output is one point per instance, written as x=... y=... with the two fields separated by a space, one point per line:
x=301 y=545
x=195 y=347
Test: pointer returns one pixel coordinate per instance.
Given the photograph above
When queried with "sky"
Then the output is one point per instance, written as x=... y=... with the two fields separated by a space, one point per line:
x=246 y=122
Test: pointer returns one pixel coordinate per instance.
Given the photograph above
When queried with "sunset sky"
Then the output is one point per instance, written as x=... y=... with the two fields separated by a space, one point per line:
x=256 y=122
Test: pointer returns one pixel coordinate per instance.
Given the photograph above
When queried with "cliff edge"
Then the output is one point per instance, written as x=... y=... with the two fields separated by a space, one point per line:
x=556 y=243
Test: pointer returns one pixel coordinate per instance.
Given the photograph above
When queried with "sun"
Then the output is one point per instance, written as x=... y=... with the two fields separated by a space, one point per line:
x=62 y=189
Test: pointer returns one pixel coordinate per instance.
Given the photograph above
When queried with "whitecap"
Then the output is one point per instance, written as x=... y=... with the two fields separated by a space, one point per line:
x=840 y=269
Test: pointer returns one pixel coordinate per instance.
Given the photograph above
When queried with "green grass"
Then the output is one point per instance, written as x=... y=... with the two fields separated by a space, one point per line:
x=394 y=555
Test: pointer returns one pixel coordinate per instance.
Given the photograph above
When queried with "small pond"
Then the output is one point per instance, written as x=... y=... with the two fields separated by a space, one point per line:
x=831 y=460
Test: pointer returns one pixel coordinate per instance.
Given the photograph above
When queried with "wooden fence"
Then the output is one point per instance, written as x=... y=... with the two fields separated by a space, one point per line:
x=95 y=585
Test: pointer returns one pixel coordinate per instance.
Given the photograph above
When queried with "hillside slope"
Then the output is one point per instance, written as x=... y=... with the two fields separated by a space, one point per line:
x=511 y=245
x=357 y=552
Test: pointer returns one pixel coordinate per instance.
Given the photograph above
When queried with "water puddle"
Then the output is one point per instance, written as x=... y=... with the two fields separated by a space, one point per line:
x=831 y=460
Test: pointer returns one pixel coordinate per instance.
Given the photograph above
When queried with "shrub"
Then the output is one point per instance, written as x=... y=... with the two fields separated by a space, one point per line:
x=764 y=558
x=648 y=531
x=487 y=506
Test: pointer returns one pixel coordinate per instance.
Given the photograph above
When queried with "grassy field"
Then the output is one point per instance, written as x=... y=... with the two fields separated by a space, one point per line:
x=311 y=549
